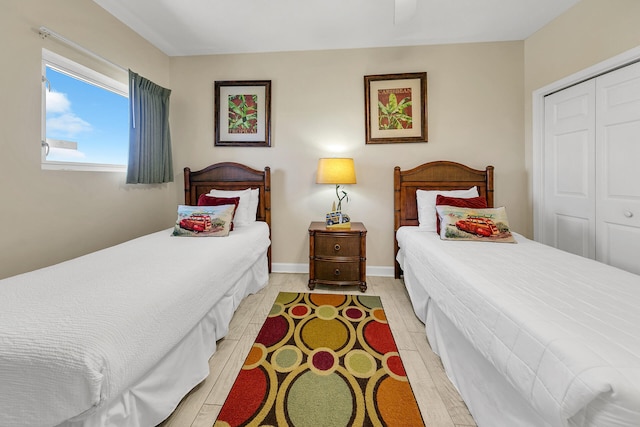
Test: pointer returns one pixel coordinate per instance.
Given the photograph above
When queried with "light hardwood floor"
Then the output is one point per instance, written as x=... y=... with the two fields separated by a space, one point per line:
x=439 y=402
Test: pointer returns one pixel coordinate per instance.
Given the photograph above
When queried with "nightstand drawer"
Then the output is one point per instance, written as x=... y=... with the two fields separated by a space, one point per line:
x=337 y=271
x=341 y=246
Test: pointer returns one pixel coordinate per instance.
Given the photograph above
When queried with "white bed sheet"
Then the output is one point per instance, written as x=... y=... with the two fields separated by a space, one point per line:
x=76 y=336
x=561 y=329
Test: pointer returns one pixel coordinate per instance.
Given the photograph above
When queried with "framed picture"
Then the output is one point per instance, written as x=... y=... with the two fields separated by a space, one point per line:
x=242 y=113
x=395 y=108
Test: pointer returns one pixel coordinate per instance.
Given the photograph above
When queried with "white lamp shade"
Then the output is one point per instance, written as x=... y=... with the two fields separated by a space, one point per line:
x=336 y=171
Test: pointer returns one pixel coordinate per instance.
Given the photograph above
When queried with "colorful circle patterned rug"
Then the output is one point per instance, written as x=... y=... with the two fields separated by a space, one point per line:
x=322 y=360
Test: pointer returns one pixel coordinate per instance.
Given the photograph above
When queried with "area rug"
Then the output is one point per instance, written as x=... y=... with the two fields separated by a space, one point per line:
x=322 y=360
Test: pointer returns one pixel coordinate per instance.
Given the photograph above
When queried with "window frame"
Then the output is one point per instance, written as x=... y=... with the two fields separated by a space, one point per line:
x=80 y=72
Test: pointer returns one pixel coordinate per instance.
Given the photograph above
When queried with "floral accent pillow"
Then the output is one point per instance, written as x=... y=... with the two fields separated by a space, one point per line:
x=204 y=221
x=487 y=225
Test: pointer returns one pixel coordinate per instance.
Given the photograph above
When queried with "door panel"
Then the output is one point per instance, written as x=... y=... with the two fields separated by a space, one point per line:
x=569 y=178
x=622 y=246
x=568 y=228
x=618 y=168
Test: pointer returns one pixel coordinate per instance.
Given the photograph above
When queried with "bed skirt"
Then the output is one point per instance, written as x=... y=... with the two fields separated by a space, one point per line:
x=492 y=401
x=156 y=395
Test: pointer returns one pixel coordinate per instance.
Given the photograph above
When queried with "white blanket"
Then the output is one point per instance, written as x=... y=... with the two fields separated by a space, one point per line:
x=562 y=329
x=77 y=334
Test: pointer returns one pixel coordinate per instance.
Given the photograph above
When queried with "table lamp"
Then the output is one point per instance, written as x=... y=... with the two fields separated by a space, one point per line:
x=336 y=171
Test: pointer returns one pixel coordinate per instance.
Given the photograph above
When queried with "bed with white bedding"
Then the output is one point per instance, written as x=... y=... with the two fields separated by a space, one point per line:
x=530 y=335
x=119 y=336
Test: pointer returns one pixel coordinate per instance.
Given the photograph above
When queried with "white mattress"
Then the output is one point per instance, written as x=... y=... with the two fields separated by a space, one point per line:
x=561 y=329
x=75 y=336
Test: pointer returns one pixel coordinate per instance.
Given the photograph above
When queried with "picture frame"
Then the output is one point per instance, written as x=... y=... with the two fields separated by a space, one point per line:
x=242 y=113
x=396 y=108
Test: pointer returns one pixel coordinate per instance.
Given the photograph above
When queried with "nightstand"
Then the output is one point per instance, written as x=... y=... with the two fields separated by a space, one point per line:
x=338 y=257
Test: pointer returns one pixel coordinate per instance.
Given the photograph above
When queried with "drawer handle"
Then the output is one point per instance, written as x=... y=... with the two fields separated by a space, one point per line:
x=337 y=272
x=336 y=247
x=628 y=214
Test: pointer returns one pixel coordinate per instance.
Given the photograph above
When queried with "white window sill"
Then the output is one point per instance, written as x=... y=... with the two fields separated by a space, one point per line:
x=83 y=167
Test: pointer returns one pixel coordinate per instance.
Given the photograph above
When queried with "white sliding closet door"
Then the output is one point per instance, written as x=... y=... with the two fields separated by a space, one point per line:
x=569 y=170
x=591 y=195
x=618 y=168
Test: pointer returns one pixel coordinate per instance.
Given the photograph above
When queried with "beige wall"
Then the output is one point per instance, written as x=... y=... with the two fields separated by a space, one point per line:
x=587 y=34
x=50 y=216
x=479 y=114
x=475 y=117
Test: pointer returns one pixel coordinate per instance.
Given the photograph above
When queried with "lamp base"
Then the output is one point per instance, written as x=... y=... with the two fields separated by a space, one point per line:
x=337 y=219
x=342 y=226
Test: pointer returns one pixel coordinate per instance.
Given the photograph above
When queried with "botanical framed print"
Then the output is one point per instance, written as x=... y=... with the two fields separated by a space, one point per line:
x=395 y=108
x=242 y=113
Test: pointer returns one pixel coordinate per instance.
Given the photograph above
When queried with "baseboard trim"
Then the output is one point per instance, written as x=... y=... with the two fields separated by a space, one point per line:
x=278 y=267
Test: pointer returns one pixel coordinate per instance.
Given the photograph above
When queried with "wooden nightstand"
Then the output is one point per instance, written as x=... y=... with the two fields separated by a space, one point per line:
x=338 y=257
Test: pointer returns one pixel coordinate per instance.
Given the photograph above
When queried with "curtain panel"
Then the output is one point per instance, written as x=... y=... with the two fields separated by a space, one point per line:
x=150 y=160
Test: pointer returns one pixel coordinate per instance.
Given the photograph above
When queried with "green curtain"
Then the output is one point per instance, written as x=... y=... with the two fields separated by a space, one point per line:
x=150 y=159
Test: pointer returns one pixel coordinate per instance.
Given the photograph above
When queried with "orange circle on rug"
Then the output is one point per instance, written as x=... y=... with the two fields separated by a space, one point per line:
x=335 y=300
x=395 y=402
x=379 y=315
x=257 y=353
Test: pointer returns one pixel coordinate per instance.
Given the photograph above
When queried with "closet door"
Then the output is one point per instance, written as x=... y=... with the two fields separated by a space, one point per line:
x=569 y=170
x=618 y=168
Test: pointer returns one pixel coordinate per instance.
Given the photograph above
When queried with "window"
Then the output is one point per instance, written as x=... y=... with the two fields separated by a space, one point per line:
x=85 y=117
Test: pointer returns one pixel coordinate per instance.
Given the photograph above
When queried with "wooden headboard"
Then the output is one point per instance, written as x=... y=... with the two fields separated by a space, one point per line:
x=441 y=175
x=231 y=176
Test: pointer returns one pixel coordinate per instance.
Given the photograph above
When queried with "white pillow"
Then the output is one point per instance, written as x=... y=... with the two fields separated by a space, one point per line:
x=241 y=216
x=427 y=204
x=253 y=204
x=247 y=207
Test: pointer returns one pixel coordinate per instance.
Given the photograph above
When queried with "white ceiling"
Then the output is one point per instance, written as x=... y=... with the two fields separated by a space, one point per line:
x=202 y=27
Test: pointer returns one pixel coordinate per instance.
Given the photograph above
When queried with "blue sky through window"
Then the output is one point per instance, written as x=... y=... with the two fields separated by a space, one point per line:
x=94 y=118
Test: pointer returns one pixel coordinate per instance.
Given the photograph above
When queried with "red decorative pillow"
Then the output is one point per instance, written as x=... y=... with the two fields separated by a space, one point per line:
x=206 y=200
x=473 y=202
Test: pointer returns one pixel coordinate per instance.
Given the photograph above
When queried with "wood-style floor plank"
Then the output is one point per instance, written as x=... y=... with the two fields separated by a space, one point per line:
x=439 y=401
x=231 y=368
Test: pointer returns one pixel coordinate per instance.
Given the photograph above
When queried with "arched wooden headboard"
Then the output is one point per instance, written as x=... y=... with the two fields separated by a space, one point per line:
x=231 y=176
x=440 y=175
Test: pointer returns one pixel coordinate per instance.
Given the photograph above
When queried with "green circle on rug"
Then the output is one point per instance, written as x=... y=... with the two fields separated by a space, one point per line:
x=318 y=333
x=286 y=358
x=360 y=363
x=326 y=312
x=310 y=395
x=370 y=301
x=276 y=309
x=285 y=298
